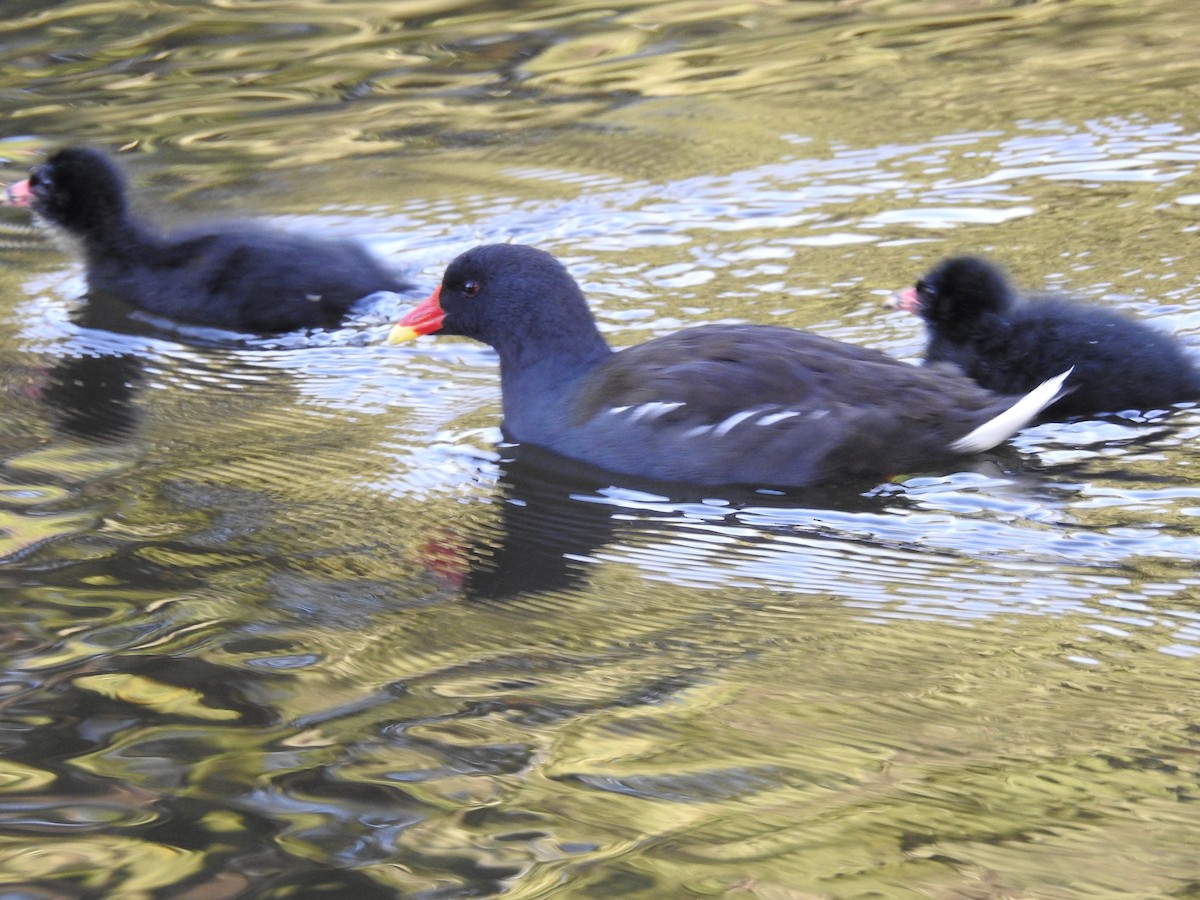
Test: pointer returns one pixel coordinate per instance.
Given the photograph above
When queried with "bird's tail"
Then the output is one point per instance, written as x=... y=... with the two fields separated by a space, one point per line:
x=1001 y=427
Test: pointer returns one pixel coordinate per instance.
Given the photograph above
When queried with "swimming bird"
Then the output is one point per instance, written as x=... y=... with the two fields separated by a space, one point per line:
x=239 y=276
x=717 y=404
x=1010 y=343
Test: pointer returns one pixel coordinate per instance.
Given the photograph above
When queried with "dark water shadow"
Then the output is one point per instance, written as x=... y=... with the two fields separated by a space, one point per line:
x=91 y=396
x=556 y=513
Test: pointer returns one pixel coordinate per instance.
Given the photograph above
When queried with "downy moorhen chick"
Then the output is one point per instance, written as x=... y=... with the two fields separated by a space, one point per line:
x=239 y=276
x=719 y=404
x=1009 y=343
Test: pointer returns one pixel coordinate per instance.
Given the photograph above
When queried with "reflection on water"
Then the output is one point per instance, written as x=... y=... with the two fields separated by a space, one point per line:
x=282 y=618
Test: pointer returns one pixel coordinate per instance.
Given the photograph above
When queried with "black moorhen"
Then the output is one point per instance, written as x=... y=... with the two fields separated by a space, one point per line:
x=1010 y=344
x=720 y=404
x=231 y=275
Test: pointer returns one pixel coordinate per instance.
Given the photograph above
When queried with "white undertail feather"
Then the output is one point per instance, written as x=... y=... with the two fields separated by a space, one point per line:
x=1013 y=419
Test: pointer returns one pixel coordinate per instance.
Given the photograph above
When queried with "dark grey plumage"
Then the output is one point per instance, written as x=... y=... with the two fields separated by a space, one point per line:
x=238 y=275
x=1009 y=343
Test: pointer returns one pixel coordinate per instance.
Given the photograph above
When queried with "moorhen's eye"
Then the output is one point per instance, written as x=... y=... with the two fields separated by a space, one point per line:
x=39 y=179
x=926 y=288
x=472 y=288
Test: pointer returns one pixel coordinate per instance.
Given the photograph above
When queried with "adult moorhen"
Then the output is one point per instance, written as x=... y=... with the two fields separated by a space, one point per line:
x=1008 y=343
x=231 y=275
x=719 y=404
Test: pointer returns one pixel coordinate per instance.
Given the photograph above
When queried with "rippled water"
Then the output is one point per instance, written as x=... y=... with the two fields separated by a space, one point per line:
x=282 y=619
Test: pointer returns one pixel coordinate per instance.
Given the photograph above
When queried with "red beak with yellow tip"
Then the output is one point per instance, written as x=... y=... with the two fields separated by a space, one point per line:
x=425 y=319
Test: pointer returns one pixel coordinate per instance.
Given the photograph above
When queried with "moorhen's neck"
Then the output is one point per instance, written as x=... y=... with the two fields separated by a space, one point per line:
x=113 y=234
x=545 y=330
x=972 y=328
x=540 y=373
x=578 y=348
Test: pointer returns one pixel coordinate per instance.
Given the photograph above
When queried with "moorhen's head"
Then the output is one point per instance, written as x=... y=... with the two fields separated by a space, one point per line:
x=958 y=291
x=513 y=297
x=77 y=189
